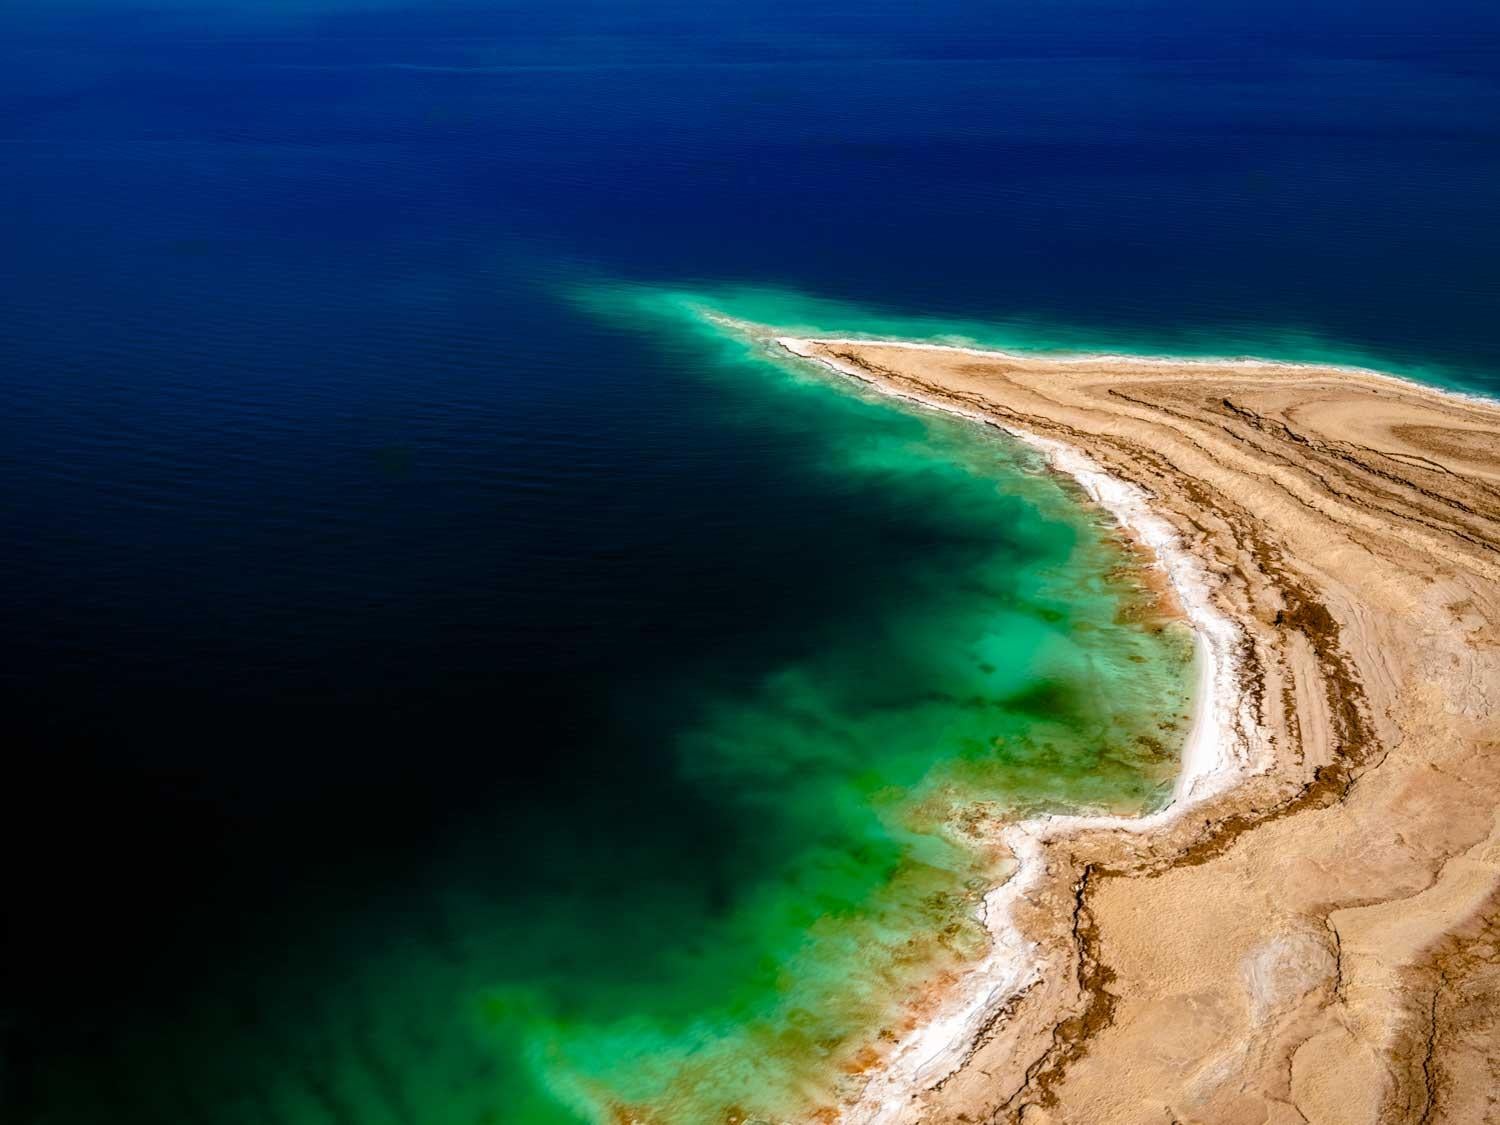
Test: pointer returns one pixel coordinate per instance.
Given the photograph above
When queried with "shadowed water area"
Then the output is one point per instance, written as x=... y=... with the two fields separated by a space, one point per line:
x=452 y=680
x=713 y=864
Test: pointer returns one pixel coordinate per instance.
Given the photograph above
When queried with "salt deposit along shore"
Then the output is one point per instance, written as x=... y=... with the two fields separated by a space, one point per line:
x=1308 y=932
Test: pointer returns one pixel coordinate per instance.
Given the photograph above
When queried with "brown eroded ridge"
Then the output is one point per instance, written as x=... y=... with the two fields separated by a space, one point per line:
x=1320 y=943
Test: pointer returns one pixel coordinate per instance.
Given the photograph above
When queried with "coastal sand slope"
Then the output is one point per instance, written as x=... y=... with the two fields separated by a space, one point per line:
x=1321 y=941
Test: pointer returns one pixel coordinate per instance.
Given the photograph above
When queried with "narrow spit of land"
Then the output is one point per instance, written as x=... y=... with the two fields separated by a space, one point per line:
x=1320 y=940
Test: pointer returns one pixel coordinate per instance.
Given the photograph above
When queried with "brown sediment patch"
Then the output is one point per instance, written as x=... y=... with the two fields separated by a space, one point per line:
x=1071 y=1035
x=1326 y=929
x=1448 y=1041
x=1146 y=594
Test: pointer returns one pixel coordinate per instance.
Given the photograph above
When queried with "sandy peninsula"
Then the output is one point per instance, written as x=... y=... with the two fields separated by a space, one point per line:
x=1311 y=932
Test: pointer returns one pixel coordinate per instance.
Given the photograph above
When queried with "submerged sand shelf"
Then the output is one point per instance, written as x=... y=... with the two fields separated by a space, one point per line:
x=1317 y=940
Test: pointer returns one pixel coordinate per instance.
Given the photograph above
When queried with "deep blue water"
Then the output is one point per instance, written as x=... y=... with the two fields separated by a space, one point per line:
x=332 y=523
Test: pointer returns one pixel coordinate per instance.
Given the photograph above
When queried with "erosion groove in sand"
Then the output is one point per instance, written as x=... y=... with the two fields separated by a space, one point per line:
x=1310 y=937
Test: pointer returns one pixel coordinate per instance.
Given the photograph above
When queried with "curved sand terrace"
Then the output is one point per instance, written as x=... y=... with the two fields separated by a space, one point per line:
x=1308 y=932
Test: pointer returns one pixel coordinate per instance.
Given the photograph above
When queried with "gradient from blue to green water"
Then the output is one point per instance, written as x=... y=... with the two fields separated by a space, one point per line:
x=442 y=666
x=1010 y=663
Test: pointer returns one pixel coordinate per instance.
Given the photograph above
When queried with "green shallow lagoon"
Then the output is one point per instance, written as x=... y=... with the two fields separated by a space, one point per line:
x=997 y=657
x=1010 y=672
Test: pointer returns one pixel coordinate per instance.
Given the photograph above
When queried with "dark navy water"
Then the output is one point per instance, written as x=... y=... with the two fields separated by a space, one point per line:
x=340 y=535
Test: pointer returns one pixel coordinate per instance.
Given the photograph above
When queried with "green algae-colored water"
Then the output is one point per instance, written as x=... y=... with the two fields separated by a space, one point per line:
x=996 y=658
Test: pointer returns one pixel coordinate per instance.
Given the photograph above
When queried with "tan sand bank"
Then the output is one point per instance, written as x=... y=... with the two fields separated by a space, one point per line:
x=1318 y=941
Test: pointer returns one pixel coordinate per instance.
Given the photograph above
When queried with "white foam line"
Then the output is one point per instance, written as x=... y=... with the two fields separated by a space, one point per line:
x=1223 y=745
